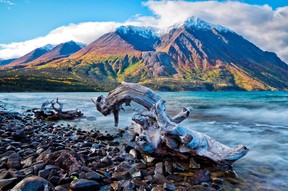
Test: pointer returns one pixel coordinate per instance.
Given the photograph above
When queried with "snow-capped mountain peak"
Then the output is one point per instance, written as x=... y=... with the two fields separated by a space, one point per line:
x=48 y=47
x=201 y=24
x=146 y=32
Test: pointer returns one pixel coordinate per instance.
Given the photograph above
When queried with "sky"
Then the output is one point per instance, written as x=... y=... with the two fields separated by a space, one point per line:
x=29 y=24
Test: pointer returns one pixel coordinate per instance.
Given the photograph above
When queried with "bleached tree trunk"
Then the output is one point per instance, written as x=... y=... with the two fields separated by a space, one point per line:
x=161 y=135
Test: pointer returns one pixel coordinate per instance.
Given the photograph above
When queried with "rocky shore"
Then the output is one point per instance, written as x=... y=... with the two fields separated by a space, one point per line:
x=37 y=155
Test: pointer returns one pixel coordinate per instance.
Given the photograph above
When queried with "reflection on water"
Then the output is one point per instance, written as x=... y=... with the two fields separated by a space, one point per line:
x=258 y=120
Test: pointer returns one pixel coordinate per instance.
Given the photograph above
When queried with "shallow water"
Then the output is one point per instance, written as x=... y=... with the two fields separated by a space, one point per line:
x=258 y=120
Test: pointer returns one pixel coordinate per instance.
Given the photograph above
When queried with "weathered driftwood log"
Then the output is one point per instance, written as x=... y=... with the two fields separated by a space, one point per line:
x=159 y=135
x=49 y=111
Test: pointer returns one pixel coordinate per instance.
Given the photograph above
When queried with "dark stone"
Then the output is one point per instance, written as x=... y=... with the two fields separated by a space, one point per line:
x=51 y=167
x=65 y=180
x=19 y=135
x=84 y=185
x=82 y=175
x=33 y=183
x=7 y=183
x=54 y=180
x=44 y=173
x=13 y=161
x=38 y=167
x=94 y=176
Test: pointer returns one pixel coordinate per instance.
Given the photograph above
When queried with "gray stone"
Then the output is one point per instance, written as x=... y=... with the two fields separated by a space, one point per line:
x=159 y=168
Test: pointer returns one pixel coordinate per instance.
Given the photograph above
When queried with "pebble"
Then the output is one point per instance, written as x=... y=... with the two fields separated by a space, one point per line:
x=73 y=159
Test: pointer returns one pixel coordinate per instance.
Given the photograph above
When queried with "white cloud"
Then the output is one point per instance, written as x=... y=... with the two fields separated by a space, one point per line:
x=265 y=27
x=84 y=32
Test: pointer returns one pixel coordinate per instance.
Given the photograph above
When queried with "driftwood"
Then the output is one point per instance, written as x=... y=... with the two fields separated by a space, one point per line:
x=49 y=111
x=161 y=136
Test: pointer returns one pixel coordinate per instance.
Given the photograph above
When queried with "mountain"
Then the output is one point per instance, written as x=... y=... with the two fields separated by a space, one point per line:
x=192 y=55
x=29 y=57
x=60 y=51
x=6 y=62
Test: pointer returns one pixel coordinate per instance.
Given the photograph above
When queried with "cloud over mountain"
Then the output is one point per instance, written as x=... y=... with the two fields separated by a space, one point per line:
x=265 y=27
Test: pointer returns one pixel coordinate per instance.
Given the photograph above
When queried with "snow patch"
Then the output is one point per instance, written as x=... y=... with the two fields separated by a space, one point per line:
x=48 y=47
x=146 y=32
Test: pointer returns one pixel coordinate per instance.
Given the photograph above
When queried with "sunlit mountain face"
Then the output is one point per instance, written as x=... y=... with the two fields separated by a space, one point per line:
x=193 y=55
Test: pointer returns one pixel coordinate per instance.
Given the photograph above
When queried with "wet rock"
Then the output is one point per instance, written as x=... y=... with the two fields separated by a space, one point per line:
x=37 y=168
x=65 y=180
x=4 y=174
x=169 y=187
x=178 y=167
x=121 y=175
x=13 y=161
x=159 y=168
x=27 y=162
x=94 y=176
x=6 y=183
x=201 y=176
x=168 y=167
x=84 y=185
x=19 y=135
x=54 y=180
x=44 y=173
x=160 y=179
x=33 y=183
x=60 y=188
x=135 y=154
x=16 y=174
x=27 y=171
x=193 y=164
x=157 y=188
x=137 y=174
x=51 y=167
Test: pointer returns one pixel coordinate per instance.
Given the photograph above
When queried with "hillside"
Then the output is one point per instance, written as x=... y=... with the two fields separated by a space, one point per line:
x=193 y=55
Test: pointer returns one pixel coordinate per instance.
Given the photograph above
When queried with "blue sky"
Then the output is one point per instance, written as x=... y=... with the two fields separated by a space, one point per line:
x=28 y=24
x=27 y=19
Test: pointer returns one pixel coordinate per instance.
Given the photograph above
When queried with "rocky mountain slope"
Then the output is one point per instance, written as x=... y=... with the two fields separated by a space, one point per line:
x=193 y=55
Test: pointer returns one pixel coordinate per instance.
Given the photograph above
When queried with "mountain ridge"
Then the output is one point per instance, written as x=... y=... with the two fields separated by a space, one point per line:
x=193 y=55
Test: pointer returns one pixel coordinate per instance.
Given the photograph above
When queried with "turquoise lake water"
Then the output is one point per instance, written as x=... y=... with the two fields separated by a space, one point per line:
x=258 y=120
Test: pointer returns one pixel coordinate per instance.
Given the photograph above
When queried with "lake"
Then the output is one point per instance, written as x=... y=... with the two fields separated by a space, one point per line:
x=258 y=120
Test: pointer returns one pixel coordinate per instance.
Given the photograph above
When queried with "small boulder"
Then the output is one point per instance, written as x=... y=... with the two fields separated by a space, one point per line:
x=85 y=185
x=33 y=183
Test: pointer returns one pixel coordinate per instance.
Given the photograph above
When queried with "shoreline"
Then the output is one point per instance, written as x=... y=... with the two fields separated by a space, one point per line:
x=68 y=158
